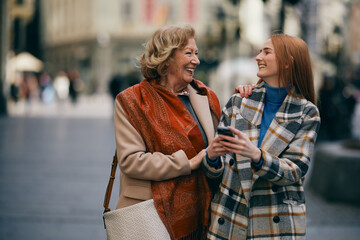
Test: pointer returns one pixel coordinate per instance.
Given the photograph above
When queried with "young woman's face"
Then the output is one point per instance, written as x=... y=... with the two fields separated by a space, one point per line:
x=268 y=67
x=181 y=66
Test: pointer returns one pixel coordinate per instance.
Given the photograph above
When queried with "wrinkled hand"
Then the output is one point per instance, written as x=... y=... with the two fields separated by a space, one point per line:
x=216 y=148
x=196 y=161
x=241 y=145
x=244 y=90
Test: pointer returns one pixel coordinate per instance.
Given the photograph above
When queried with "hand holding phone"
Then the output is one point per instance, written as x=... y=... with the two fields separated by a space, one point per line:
x=224 y=131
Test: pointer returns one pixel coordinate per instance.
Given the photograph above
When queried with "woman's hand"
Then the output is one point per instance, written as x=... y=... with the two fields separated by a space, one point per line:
x=241 y=145
x=195 y=161
x=216 y=148
x=244 y=90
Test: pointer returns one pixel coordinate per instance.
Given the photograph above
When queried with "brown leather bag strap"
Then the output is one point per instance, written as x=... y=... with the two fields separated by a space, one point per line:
x=110 y=184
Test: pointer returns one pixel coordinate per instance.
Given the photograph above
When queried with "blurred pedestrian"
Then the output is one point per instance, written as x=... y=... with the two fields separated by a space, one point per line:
x=47 y=91
x=120 y=82
x=162 y=126
x=14 y=92
x=15 y=87
x=116 y=85
x=61 y=85
x=73 y=75
x=132 y=78
x=328 y=109
x=30 y=87
x=261 y=194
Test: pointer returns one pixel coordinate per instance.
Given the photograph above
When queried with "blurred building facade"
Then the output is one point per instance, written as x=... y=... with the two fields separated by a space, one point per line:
x=354 y=33
x=20 y=13
x=101 y=40
x=330 y=28
x=15 y=15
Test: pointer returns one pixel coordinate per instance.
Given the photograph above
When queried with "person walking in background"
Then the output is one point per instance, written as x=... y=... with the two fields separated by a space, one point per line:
x=74 y=82
x=15 y=87
x=61 y=85
x=261 y=194
x=162 y=127
x=47 y=91
x=115 y=85
x=120 y=82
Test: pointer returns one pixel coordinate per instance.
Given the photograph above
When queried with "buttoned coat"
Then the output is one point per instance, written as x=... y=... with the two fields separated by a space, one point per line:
x=268 y=203
x=139 y=167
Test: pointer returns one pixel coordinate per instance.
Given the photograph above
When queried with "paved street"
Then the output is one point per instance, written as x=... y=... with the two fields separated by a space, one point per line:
x=54 y=171
x=53 y=175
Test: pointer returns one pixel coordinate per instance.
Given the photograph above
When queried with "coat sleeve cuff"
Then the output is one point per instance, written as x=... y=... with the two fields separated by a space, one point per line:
x=258 y=167
x=210 y=171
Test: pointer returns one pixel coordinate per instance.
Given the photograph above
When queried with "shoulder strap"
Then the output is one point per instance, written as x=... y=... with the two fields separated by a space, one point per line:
x=110 y=184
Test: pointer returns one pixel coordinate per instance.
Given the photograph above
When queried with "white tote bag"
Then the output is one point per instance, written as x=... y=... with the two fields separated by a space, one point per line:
x=136 y=222
x=139 y=221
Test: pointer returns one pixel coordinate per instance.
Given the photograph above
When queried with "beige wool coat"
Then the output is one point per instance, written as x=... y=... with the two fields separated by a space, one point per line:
x=139 y=167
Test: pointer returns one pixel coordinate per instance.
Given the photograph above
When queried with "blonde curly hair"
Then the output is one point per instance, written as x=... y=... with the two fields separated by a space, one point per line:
x=161 y=47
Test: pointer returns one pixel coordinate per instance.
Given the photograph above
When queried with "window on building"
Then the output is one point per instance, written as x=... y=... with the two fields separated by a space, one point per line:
x=173 y=12
x=126 y=11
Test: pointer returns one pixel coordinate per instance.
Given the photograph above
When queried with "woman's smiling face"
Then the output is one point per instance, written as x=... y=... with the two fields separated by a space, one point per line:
x=268 y=67
x=181 y=66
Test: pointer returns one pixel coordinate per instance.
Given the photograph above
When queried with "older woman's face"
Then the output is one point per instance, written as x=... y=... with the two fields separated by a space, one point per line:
x=181 y=66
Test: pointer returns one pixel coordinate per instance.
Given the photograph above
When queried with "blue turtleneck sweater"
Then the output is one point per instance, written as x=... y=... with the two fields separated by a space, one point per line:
x=273 y=101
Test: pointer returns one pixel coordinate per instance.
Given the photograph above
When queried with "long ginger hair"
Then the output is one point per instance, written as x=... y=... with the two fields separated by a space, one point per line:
x=293 y=59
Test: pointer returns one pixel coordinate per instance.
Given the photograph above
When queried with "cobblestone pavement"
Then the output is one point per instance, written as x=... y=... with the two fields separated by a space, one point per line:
x=54 y=171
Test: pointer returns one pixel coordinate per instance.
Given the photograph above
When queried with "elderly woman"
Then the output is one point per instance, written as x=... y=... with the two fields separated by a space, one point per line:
x=261 y=195
x=162 y=127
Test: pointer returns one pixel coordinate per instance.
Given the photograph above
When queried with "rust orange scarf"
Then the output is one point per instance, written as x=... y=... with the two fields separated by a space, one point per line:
x=167 y=126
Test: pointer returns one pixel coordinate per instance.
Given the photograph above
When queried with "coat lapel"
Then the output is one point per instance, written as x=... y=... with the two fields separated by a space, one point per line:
x=200 y=104
x=284 y=126
x=251 y=109
x=278 y=136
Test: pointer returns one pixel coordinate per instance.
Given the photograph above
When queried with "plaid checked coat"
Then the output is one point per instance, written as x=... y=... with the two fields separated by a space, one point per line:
x=269 y=203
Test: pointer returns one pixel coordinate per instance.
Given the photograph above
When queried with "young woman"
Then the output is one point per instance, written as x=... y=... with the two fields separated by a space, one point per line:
x=261 y=192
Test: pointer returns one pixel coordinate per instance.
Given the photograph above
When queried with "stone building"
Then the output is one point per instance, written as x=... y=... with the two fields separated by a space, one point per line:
x=101 y=38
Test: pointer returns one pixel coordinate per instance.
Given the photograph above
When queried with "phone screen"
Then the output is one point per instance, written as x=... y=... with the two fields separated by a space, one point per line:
x=224 y=131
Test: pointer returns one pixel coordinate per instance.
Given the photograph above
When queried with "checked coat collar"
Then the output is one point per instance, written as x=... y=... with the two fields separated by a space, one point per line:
x=281 y=130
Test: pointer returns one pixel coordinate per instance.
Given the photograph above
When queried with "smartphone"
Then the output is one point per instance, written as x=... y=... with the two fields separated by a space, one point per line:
x=224 y=131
